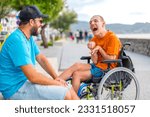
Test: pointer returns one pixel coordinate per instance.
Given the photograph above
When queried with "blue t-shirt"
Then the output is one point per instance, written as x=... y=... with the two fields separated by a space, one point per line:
x=17 y=51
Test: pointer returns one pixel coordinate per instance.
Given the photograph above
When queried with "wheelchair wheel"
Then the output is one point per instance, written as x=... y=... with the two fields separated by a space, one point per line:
x=119 y=84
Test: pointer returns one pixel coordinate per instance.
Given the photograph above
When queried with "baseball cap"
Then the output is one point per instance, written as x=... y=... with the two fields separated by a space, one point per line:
x=30 y=12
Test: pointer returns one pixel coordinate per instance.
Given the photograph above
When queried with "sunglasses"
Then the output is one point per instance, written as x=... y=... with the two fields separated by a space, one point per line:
x=41 y=21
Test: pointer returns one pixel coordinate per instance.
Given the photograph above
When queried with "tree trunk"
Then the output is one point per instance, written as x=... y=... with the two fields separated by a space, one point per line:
x=45 y=42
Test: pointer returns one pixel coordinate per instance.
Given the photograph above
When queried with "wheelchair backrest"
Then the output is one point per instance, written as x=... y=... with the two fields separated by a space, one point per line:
x=126 y=60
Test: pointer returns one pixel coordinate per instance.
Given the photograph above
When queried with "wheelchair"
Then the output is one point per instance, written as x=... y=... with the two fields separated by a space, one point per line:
x=119 y=83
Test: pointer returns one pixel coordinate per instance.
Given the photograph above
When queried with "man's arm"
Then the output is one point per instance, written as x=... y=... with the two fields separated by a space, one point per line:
x=42 y=60
x=103 y=53
x=94 y=58
x=36 y=77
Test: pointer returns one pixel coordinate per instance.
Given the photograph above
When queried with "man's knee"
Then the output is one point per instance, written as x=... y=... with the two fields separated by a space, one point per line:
x=76 y=75
x=68 y=95
x=77 y=66
x=71 y=95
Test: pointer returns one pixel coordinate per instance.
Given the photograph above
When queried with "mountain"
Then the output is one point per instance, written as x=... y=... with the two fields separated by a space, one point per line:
x=81 y=25
x=117 y=28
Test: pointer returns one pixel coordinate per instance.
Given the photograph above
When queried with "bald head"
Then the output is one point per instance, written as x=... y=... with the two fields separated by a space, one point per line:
x=99 y=17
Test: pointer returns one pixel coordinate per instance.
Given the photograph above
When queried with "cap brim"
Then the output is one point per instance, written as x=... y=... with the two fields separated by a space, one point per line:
x=44 y=16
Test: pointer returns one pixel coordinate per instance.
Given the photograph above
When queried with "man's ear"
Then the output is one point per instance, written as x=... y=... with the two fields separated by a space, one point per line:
x=31 y=22
x=103 y=25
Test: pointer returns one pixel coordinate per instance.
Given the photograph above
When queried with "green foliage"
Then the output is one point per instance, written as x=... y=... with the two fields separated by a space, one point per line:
x=1 y=27
x=5 y=8
x=51 y=8
x=49 y=44
x=57 y=38
x=48 y=7
x=64 y=20
x=19 y=4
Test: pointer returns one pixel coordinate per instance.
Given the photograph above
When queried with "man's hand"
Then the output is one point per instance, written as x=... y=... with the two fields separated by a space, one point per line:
x=96 y=49
x=91 y=45
x=63 y=82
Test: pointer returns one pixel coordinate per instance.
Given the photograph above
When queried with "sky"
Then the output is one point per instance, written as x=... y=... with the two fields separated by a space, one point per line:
x=113 y=11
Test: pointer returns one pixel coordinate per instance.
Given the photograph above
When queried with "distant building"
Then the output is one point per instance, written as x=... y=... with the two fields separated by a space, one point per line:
x=9 y=22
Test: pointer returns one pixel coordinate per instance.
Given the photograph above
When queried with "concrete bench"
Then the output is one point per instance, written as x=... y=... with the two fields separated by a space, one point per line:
x=1 y=97
x=53 y=61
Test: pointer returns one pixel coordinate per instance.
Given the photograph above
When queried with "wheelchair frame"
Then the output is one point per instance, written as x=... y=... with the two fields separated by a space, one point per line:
x=93 y=88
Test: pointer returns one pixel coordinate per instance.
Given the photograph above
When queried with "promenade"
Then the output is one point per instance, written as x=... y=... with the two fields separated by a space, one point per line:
x=64 y=53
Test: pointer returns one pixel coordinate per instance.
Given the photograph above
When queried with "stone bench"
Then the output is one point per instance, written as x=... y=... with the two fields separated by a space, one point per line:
x=1 y=97
x=53 y=61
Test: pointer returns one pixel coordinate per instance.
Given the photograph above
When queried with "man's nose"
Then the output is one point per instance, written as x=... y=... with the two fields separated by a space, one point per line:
x=92 y=22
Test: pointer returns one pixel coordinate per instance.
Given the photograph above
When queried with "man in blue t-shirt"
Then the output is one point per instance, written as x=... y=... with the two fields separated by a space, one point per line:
x=18 y=77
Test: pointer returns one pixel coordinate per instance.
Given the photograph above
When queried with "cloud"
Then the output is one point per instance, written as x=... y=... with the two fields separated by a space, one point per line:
x=83 y=17
x=79 y=4
x=113 y=11
x=136 y=13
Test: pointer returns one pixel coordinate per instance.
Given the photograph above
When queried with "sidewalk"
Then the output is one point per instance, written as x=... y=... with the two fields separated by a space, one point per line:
x=70 y=53
x=53 y=53
x=63 y=54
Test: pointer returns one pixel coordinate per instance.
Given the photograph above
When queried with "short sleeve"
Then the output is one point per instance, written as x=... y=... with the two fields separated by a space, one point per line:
x=94 y=40
x=19 y=52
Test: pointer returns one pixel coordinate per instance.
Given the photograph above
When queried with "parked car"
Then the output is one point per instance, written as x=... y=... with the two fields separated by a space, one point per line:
x=3 y=34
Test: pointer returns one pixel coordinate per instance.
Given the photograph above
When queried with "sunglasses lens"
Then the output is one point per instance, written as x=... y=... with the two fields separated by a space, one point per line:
x=41 y=21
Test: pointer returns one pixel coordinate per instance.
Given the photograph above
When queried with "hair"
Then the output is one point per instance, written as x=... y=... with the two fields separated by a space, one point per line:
x=101 y=18
x=23 y=22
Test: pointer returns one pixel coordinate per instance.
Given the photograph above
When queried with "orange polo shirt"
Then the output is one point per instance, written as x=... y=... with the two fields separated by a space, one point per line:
x=110 y=44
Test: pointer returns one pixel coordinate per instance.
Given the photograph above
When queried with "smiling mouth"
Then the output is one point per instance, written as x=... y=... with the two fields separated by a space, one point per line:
x=94 y=29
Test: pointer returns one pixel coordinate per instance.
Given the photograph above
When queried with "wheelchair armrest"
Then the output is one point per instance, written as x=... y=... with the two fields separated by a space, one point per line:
x=112 y=61
x=88 y=58
x=85 y=57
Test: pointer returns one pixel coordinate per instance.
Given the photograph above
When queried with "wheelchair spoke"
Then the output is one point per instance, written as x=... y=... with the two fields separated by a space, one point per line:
x=119 y=83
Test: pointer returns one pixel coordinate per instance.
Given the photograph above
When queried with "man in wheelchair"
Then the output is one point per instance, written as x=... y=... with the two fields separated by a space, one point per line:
x=105 y=45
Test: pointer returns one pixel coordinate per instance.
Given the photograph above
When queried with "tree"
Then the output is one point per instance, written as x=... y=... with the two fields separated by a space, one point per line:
x=49 y=7
x=64 y=20
x=55 y=6
x=5 y=8
x=1 y=27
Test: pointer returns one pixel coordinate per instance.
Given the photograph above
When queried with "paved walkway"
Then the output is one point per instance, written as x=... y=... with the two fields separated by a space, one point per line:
x=64 y=53
x=67 y=53
x=142 y=69
x=71 y=54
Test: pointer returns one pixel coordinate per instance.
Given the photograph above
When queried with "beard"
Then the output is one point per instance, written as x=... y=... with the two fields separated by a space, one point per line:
x=34 y=31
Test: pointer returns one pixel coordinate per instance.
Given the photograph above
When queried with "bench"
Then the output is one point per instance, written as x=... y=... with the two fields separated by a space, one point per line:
x=53 y=61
